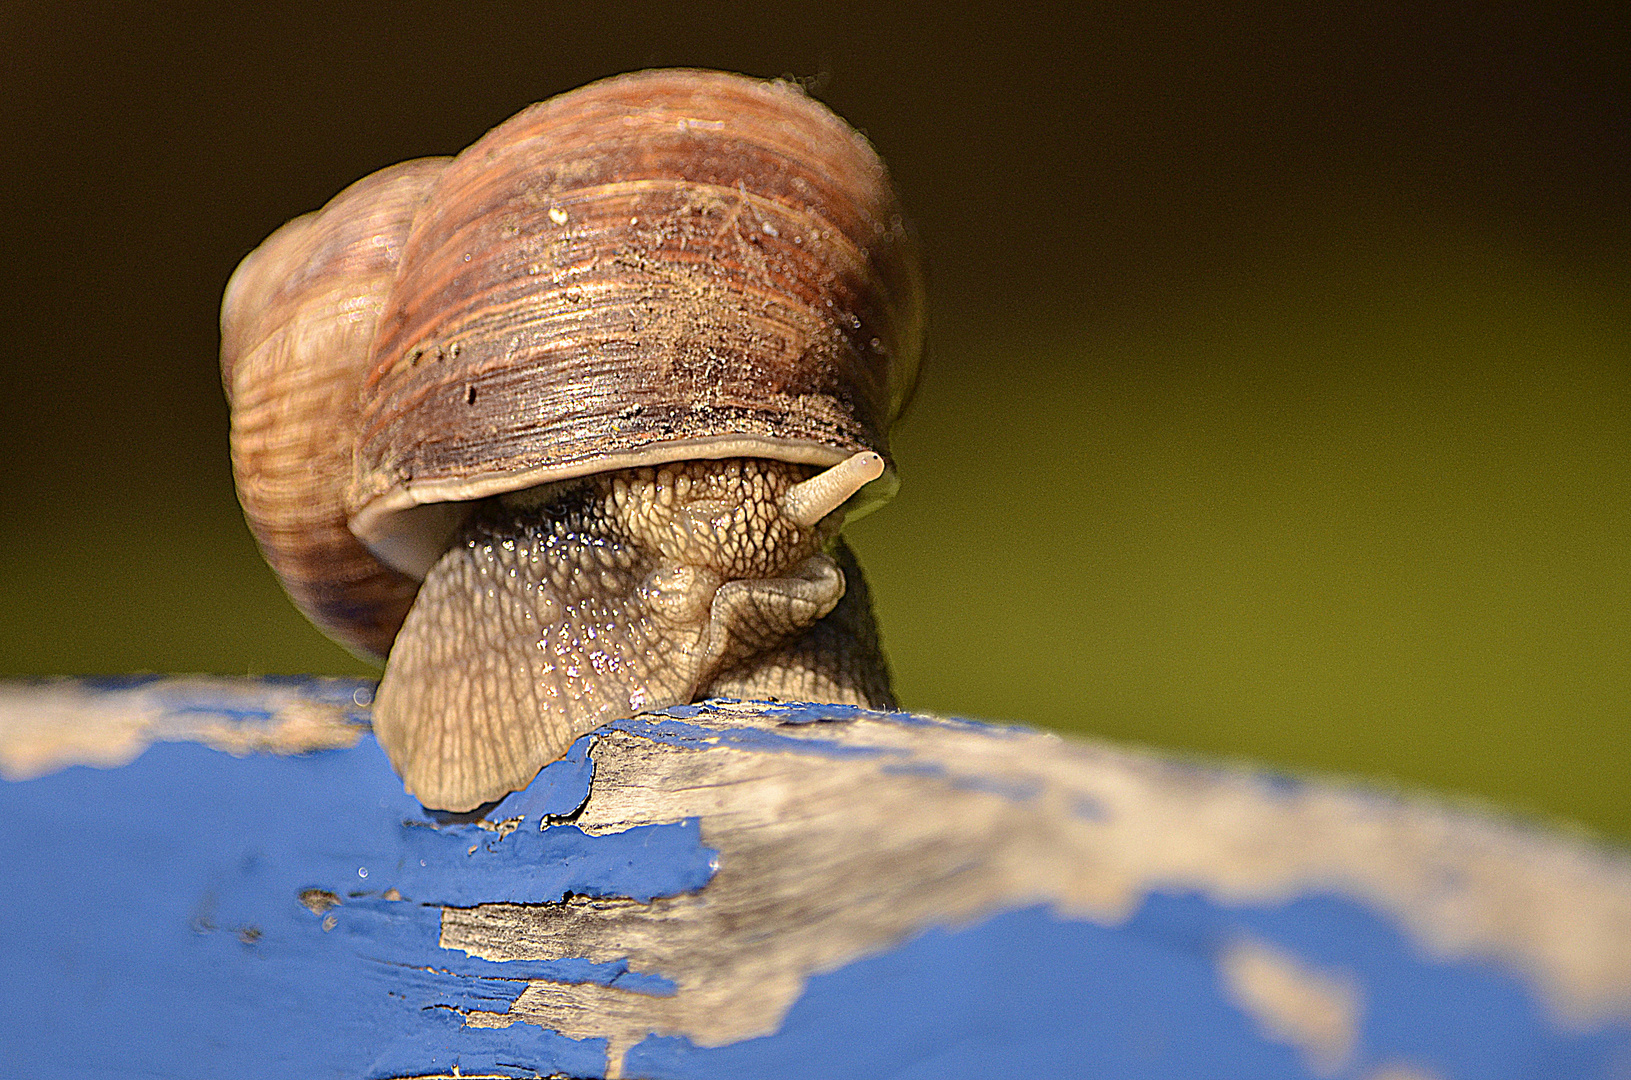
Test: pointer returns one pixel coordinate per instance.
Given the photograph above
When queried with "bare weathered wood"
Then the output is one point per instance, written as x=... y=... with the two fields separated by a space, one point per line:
x=742 y=889
x=53 y=723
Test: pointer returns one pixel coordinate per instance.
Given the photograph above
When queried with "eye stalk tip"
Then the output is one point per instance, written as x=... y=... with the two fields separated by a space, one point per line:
x=811 y=500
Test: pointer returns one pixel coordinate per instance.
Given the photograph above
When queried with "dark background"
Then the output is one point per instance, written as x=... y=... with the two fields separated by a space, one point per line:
x=1280 y=381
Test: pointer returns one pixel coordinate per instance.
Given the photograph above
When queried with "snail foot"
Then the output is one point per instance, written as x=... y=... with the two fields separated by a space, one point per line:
x=560 y=609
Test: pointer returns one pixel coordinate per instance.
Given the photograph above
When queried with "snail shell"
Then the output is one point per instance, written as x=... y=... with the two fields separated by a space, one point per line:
x=581 y=381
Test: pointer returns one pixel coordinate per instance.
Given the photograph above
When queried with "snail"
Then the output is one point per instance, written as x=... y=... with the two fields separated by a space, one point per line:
x=566 y=427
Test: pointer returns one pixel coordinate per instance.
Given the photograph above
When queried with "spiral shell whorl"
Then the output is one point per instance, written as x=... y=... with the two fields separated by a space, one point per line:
x=296 y=324
x=659 y=266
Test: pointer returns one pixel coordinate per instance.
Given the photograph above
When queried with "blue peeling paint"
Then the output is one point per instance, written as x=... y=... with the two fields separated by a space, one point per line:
x=536 y=866
x=1462 y=1019
x=559 y=791
x=1026 y=993
x=152 y=924
x=1022 y=994
x=440 y=1043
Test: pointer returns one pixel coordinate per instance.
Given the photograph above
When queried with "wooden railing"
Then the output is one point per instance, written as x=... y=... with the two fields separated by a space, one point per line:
x=239 y=887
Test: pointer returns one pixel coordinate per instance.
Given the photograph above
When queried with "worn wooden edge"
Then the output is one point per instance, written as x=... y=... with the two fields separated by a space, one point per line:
x=736 y=889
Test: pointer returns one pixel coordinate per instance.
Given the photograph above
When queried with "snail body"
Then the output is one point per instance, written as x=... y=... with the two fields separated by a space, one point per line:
x=567 y=426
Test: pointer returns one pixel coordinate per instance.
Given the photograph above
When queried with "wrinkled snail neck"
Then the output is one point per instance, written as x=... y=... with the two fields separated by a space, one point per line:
x=562 y=608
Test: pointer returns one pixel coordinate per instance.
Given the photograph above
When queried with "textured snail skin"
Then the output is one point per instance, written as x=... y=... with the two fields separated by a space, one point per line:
x=660 y=302
x=633 y=590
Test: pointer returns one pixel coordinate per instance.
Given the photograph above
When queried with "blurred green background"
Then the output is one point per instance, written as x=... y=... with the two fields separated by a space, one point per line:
x=1280 y=381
